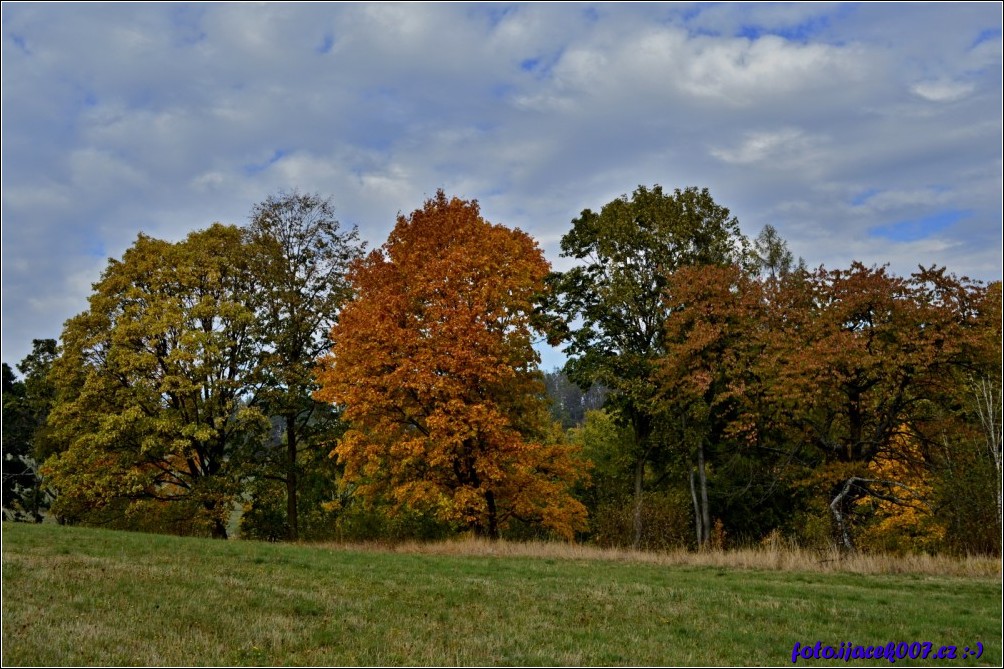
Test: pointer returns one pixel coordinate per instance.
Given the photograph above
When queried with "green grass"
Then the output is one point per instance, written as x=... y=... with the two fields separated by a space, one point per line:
x=74 y=596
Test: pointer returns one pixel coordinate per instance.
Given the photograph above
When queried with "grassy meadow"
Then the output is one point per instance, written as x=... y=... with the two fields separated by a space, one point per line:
x=76 y=596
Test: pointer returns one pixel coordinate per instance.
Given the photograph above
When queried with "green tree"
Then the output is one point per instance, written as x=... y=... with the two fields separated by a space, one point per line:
x=969 y=457
x=986 y=389
x=18 y=474
x=158 y=381
x=771 y=254
x=300 y=259
x=26 y=406
x=611 y=307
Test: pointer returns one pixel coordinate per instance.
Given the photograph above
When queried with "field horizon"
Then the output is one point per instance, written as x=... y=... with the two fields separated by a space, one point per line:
x=74 y=596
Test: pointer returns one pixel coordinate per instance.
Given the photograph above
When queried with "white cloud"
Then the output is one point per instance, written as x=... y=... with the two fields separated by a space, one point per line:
x=209 y=181
x=744 y=72
x=943 y=91
x=897 y=200
x=159 y=117
x=785 y=148
x=98 y=173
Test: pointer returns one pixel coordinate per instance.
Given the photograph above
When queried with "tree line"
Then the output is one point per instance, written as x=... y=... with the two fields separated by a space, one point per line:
x=717 y=392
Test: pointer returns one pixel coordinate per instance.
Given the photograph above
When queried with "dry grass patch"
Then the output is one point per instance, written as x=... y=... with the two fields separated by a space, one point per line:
x=777 y=557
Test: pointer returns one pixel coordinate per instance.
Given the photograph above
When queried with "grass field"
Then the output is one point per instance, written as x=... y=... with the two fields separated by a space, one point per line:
x=74 y=596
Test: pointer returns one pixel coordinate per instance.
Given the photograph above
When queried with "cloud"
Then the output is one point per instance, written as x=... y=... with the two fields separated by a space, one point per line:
x=829 y=122
x=790 y=147
x=943 y=91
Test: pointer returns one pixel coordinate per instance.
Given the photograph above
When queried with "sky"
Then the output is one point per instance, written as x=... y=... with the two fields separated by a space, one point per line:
x=868 y=132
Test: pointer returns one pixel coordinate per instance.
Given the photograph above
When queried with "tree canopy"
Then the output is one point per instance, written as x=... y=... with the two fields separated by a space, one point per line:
x=862 y=362
x=158 y=382
x=717 y=392
x=26 y=436
x=434 y=364
x=300 y=258
x=612 y=309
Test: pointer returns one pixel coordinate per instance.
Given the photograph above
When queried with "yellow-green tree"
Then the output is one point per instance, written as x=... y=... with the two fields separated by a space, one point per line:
x=434 y=364
x=158 y=380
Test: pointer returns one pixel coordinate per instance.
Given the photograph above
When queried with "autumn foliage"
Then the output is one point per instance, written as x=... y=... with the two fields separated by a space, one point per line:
x=433 y=362
x=745 y=397
x=155 y=379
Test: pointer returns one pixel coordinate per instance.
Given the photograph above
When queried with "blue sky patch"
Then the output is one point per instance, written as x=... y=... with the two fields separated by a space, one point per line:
x=685 y=12
x=494 y=13
x=502 y=91
x=864 y=196
x=987 y=35
x=326 y=44
x=921 y=228
x=96 y=249
x=801 y=32
x=257 y=168
x=186 y=20
x=541 y=66
x=19 y=42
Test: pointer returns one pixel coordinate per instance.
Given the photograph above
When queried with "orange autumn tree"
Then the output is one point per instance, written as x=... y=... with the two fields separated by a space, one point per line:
x=434 y=366
x=859 y=365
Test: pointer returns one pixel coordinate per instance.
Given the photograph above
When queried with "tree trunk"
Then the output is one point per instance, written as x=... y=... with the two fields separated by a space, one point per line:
x=493 y=524
x=36 y=493
x=838 y=509
x=639 y=476
x=291 y=511
x=218 y=526
x=219 y=529
x=999 y=489
x=703 y=478
x=642 y=432
x=697 y=511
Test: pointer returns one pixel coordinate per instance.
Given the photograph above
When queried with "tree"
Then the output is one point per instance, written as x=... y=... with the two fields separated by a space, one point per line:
x=970 y=457
x=986 y=391
x=569 y=403
x=611 y=308
x=434 y=365
x=706 y=374
x=860 y=362
x=772 y=255
x=26 y=405
x=301 y=258
x=158 y=380
x=18 y=471
x=904 y=522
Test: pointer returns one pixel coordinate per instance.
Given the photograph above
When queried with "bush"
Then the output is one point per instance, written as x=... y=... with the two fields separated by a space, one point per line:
x=667 y=521
x=964 y=501
x=181 y=518
x=358 y=521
